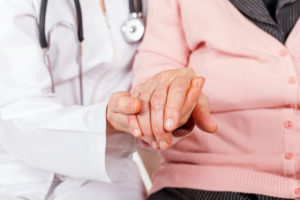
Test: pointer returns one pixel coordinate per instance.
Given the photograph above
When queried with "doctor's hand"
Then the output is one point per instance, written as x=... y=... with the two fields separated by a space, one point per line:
x=168 y=101
x=119 y=107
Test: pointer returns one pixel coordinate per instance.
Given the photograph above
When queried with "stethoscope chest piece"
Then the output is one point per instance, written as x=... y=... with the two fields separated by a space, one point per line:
x=133 y=29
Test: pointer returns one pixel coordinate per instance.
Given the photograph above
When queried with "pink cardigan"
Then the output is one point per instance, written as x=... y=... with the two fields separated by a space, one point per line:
x=252 y=85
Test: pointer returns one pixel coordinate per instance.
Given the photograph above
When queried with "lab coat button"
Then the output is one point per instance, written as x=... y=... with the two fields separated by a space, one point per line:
x=289 y=156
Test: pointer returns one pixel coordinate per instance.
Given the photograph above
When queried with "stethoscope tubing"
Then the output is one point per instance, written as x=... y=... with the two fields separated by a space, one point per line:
x=139 y=6
x=42 y=23
x=79 y=20
x=134 y=9
x=80 y=34
x=45 y=45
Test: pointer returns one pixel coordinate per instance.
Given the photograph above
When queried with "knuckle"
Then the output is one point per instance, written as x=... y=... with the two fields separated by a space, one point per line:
x=145 y=96
x=138 y=89
x=179 y=88
x=190 y=71
x=157 y=76
x=187 y=73
x=160 y=90
x=157 y=103
x=160 y=74
x=145 y=106
x=163 y=77
x=172 y=108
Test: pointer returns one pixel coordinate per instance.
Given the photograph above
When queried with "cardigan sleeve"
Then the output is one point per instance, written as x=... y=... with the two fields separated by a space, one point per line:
x=164 y=46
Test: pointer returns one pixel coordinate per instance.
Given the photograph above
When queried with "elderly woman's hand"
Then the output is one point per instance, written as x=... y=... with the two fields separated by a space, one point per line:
x=168 y=101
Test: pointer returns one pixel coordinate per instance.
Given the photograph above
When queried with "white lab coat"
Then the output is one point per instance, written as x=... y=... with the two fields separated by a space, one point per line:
x=43 y=135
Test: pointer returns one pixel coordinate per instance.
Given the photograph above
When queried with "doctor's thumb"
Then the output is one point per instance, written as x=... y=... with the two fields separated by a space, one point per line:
x=127 y=105
x=130 y=106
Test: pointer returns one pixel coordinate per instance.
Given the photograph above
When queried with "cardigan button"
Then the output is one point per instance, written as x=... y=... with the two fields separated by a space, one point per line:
x=288 y=124
x=292 y=80
x=289 y=156
x=283 y=52
x=297 y=191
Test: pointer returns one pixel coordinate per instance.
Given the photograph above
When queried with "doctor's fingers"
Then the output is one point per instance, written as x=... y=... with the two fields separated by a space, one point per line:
x=120 y=106
x=202 y=117
x=157 y=106
x=119 y=122
x=134 y=126
x=144 y=93
x=122 y=102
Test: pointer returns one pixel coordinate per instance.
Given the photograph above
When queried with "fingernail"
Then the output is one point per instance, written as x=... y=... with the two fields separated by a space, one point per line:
x=163 y=145
x=196 y=82
x=137 y=133
x=169 y=124
x=201 y=84
x=213 y=124
x=154 y=145
x=132 y=105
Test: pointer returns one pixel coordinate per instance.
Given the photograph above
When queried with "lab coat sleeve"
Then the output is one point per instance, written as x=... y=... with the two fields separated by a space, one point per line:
x=163 y=48
x=35 y=126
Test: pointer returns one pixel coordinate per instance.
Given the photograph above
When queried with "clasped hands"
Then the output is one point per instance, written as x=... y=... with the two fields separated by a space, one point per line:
x=155 y=109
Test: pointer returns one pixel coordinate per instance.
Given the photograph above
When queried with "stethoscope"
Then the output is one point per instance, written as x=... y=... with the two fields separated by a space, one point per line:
x=132 y=30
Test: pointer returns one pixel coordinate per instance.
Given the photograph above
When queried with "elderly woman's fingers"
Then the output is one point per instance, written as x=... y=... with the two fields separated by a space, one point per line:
x=176 y=96
x=163 y=97
x=191 y=100
x=202 y=117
